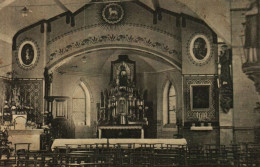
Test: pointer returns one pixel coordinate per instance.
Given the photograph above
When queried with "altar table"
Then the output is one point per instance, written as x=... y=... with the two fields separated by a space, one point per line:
x=31 y=136
x=137 y=142
x=124 y=127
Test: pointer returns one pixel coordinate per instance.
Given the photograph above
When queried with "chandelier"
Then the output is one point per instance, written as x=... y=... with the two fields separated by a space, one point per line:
x=25 y=10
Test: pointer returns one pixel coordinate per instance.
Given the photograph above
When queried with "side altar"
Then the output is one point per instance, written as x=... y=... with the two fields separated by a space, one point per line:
x=122 y=112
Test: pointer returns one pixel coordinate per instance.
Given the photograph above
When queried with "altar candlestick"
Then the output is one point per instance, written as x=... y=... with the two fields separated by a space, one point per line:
x=35 y=113
x=30 y=101
x=102 y=104
x=24 y=97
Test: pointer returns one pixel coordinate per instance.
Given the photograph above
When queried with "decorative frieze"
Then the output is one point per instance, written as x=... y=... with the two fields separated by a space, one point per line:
x=111 y=38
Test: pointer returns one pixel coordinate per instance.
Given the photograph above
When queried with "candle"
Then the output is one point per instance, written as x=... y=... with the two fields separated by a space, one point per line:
x=30 y=100
x=35 y=110
x=24 y=97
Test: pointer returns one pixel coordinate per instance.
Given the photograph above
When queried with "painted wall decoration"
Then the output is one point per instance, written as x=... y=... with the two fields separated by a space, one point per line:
x=131 y=25
x=200 y=98
x=199 y=49
x=28 y=54
x=114 y=38
x=112 y=13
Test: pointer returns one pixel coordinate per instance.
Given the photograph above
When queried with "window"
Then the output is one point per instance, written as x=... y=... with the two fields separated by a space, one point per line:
x=79 y=106
x=171 y=105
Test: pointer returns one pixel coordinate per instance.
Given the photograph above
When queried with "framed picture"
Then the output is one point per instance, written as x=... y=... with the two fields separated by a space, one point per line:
x=199 y=49
x=27 y=55
x=200 y=97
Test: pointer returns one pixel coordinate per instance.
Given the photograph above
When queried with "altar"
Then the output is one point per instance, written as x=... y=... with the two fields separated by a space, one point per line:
x=118 y=127
x=158 y=143
x=31 y=136
x=122 y=112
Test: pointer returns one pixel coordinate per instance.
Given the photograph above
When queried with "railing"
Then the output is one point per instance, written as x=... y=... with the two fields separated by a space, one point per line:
x=247 y=154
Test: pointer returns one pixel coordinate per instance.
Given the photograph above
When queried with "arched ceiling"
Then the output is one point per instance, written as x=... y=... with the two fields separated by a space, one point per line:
x=216 y=13
x=12 y=20
x=99 y=63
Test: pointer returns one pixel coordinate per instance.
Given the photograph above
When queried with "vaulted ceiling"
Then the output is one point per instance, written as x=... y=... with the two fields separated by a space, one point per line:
x=12 y=20
x=88 y=64
x=216 y=13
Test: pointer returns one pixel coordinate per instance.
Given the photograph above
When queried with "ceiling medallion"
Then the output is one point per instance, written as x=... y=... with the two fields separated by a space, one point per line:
x=28 y=55
x=112 y=13
x=199 y=49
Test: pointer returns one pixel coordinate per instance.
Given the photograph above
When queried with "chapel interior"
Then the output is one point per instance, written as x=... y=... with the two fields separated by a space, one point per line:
x=130 y=83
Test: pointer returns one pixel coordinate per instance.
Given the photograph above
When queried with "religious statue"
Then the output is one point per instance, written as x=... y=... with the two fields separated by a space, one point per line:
x=251 y=32
x=123 y=78
x=226 y=87
x=225 y=61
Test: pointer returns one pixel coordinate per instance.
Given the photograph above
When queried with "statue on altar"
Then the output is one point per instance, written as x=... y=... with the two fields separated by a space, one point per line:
x=123 y=77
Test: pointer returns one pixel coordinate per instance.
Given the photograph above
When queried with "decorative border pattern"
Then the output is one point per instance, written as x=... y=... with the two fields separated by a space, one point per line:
x=36 y=52
x=192 y=57
x=113 y=38
x=211 y=113
x=108 y=6
x=100 y=25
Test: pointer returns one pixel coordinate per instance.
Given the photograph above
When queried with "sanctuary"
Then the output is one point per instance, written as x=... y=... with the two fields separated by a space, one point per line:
x=127 y=83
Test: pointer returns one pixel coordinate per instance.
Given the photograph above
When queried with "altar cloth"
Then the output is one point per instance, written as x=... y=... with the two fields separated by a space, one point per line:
x=137 y=142
x=27 y=135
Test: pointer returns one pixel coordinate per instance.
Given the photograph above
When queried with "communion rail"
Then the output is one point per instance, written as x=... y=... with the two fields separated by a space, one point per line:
x=125 y=155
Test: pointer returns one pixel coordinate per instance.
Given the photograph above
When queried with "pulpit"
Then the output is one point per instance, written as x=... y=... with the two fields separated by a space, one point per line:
x=122 y=106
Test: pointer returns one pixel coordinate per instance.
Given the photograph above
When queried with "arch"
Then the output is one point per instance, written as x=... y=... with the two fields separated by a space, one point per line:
x=87 y=101
x=151 y=52
x=169 y=88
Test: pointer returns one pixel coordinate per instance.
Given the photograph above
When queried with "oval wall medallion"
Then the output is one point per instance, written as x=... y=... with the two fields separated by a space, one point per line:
x=112 y=13
x=199 y=49
x=28 y=54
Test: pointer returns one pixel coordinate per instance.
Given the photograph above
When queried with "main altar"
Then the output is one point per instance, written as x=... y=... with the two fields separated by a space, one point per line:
x=122 y=112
